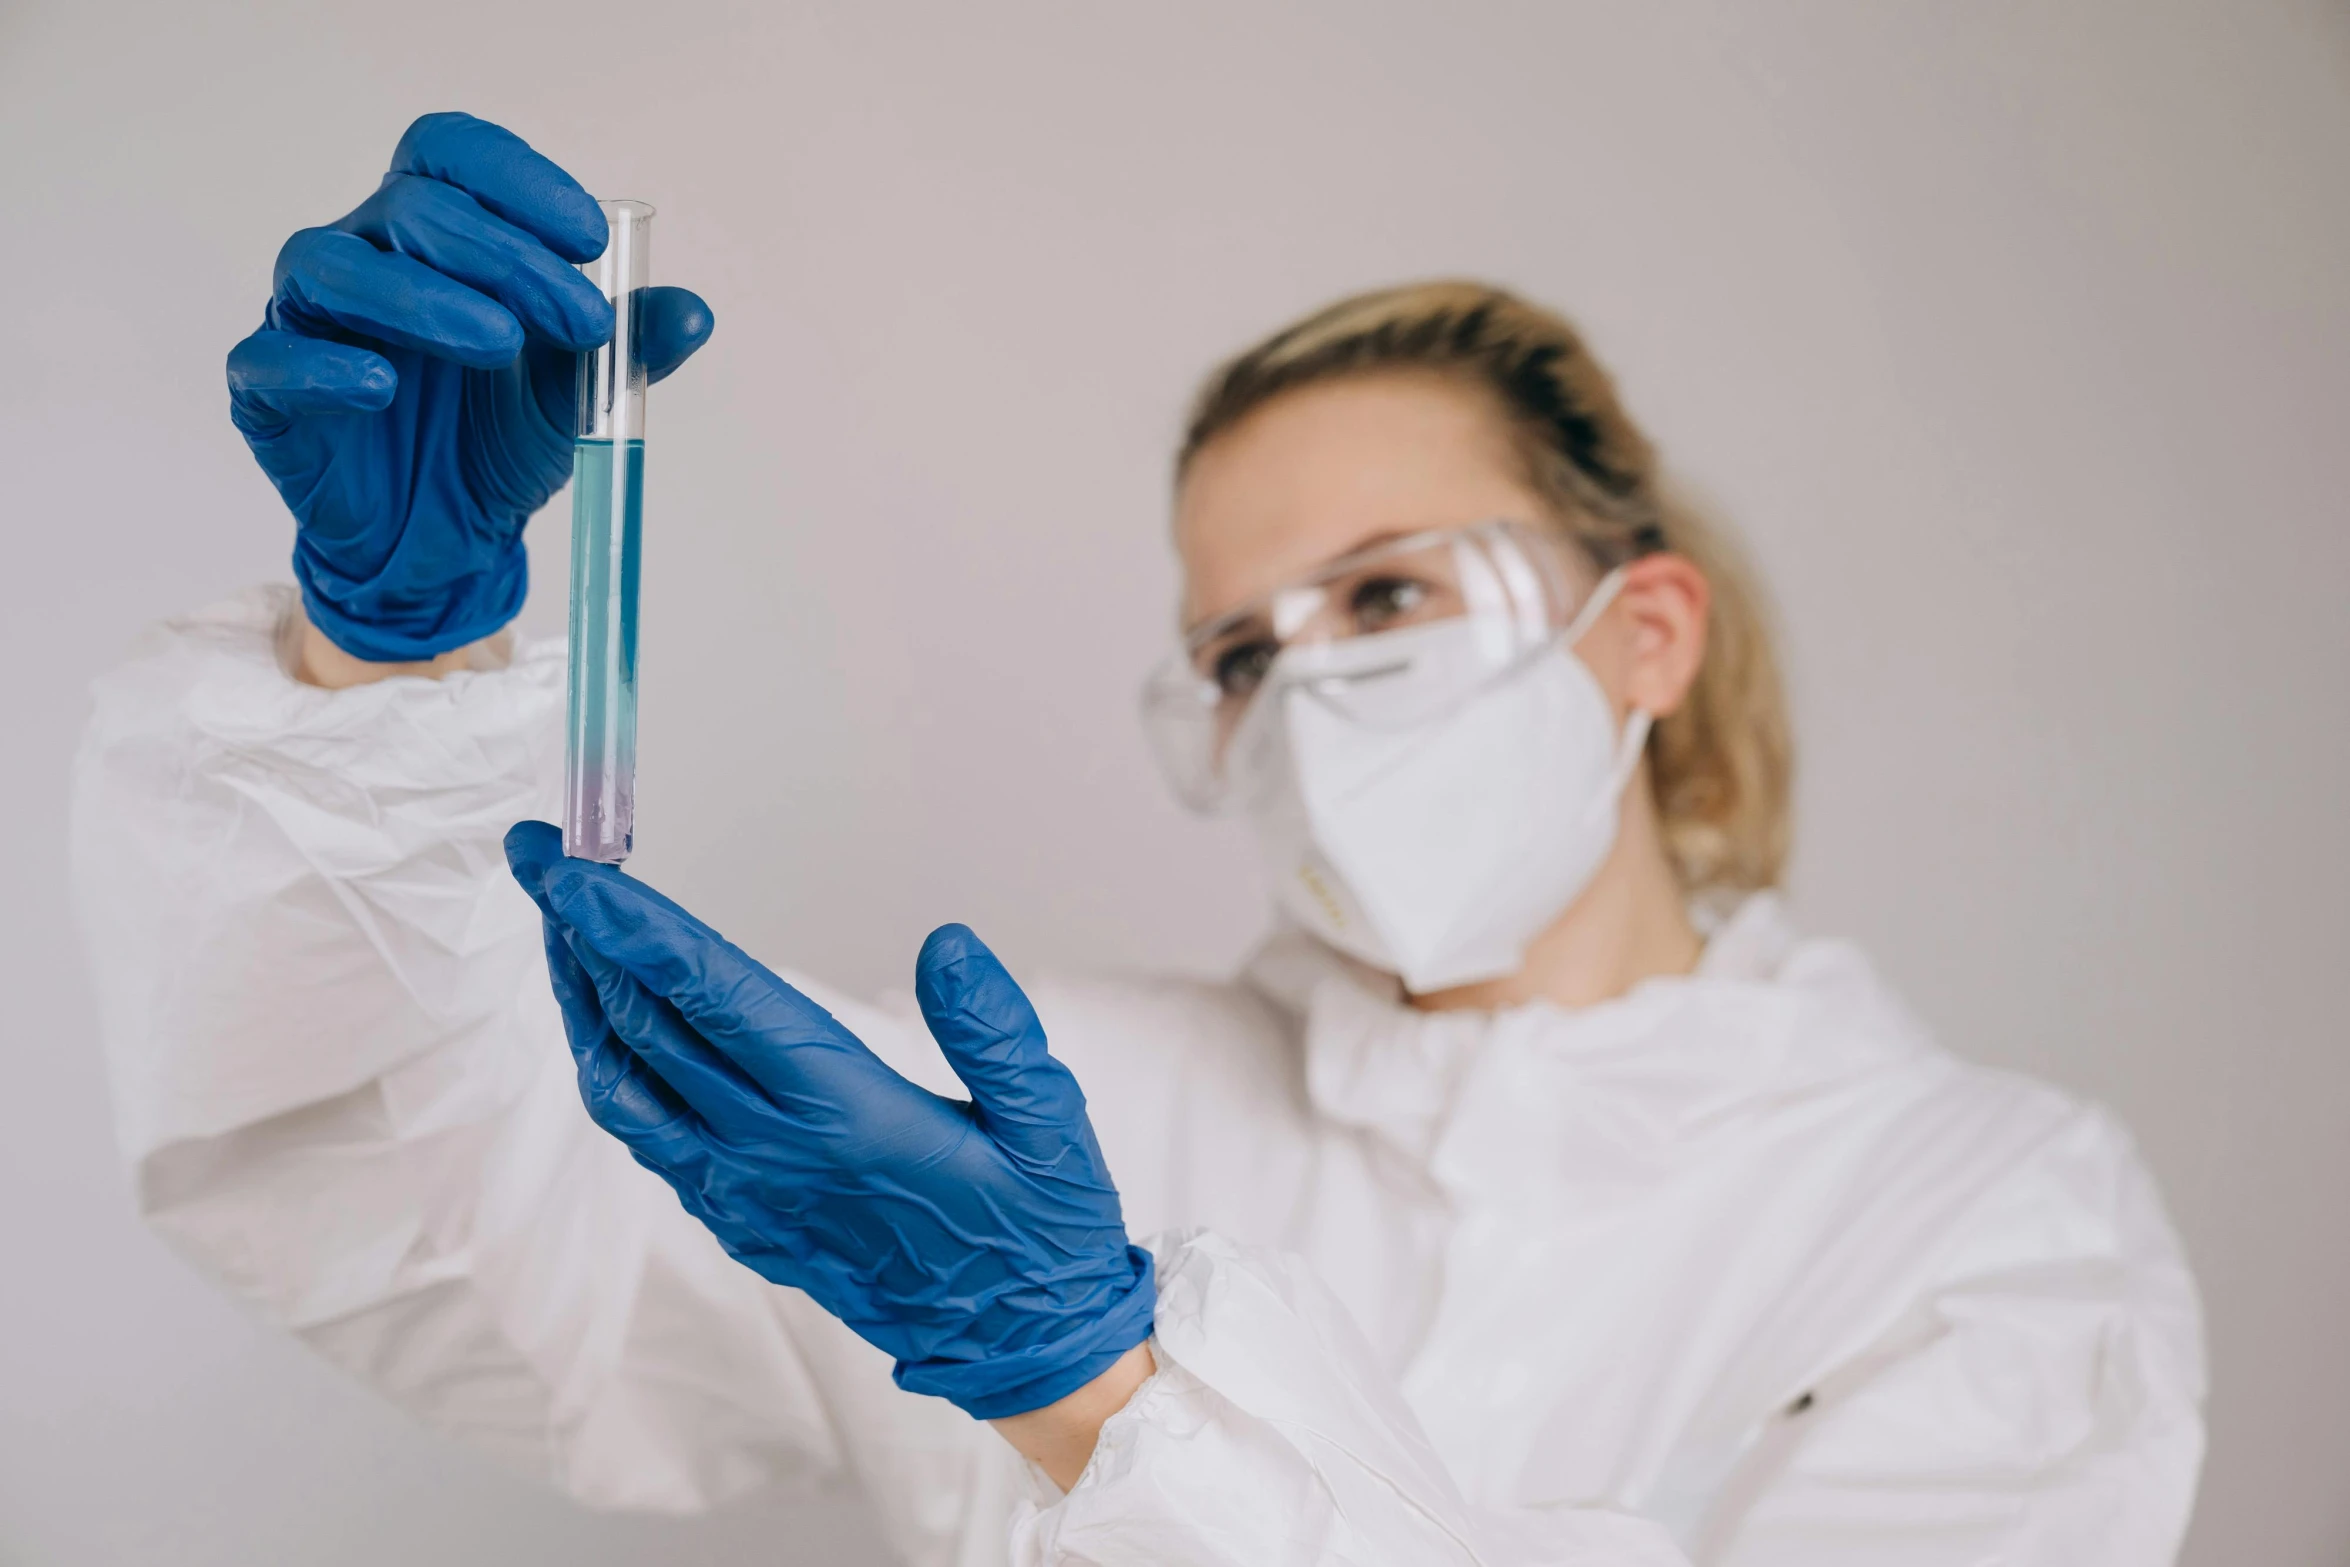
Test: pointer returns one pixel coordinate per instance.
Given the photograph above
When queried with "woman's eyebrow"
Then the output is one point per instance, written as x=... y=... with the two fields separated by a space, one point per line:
x=1373 y=541
x=1232 y=619
x=1217 y=628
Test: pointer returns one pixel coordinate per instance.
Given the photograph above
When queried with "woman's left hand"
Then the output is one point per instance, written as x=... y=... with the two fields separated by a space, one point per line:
x=980 y=1242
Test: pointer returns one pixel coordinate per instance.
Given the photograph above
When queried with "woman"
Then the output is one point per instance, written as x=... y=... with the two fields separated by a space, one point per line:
x=1543 y=1196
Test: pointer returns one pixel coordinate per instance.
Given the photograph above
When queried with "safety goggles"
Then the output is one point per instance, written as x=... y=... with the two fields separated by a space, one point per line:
x=1393 y=635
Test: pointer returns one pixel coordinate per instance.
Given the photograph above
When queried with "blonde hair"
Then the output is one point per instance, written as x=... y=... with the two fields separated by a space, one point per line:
x=1720 y=765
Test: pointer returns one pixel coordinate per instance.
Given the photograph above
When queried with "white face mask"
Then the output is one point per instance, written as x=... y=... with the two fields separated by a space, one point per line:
x=1439 y=849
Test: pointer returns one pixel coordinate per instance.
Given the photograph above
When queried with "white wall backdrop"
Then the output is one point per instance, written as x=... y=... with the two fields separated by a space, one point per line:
x=2015 y=334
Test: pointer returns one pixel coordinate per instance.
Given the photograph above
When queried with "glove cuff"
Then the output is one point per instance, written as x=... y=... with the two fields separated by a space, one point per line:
x=386 y=621
x=1014 y=1384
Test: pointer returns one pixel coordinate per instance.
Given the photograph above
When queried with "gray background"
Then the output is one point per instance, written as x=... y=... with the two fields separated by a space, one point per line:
x=2016 y=335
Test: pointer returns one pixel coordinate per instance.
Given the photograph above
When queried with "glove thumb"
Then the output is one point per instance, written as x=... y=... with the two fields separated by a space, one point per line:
x=1027 y=1101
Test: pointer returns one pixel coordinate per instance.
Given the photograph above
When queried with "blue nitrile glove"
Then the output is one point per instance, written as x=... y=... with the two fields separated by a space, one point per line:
x=978 y=1242
x=411 y=389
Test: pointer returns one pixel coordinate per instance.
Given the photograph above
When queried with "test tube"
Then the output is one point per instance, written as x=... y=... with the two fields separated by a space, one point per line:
x=607 y=527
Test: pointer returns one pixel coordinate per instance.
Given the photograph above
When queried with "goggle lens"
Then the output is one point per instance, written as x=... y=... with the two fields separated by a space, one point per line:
x=1393 y=635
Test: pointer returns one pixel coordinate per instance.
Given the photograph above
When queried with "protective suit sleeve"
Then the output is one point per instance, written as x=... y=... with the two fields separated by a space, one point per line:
x=341 y=1082
x=2041 y=1405
x=1270 y=1436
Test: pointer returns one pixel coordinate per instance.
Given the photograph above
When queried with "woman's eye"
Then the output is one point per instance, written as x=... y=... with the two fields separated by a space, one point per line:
x=1240 y=669
x=1382 y=601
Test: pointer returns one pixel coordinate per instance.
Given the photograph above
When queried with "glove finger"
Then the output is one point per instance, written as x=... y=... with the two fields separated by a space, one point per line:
x=798 y=1052
x=331 y=281
x=990 y=1035
x=701 y=1079
x=728 y=1100
x=451 y=232
x=287 y=375
x=502 y=172
x=675 y=322
x=533 y=849
x=623 y=1092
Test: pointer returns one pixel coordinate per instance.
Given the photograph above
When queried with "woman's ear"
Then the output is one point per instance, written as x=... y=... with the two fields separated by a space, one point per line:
x=1661 y=615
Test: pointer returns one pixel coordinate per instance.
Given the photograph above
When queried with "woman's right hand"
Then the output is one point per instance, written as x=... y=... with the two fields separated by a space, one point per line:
x=411 y=389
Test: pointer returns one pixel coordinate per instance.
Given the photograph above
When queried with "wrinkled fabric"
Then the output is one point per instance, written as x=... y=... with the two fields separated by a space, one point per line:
x=411 y=388
x=1738 y=1268
x=979 y=1242
x=1264 y=1375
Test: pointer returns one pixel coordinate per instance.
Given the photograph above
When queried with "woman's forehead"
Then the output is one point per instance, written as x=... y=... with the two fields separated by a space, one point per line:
x=1325 y=470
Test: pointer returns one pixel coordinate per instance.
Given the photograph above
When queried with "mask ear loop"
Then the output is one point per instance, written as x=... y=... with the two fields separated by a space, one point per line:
x=1635 y=742
x=1636 y=726
x=1593 y=607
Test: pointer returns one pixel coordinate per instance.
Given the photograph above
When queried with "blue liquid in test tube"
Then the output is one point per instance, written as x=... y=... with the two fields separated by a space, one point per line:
x=607 y=542
x=607 y=532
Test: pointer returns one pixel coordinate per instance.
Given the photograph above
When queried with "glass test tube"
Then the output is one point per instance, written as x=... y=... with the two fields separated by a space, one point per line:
x=607 y=522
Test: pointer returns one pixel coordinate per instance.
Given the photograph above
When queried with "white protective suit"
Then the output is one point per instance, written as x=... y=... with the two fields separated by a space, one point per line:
x=1737 y=1268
